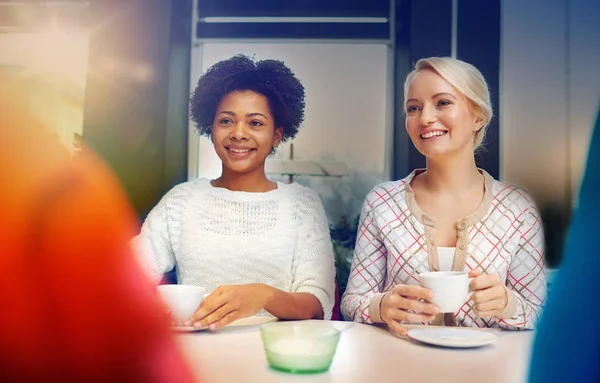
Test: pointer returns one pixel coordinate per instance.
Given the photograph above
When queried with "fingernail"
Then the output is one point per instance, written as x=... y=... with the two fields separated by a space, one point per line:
x=198 y=325
x=187 y=323
x=212 y=327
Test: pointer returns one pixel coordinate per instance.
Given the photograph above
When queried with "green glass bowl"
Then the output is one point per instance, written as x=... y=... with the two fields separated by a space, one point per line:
x=300 y=347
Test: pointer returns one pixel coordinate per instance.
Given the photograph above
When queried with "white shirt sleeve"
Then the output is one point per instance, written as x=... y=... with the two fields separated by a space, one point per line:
x=155 y=244
x=313 y=268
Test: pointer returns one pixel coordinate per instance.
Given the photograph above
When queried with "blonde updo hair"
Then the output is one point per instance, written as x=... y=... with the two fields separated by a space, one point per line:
x=466 y=79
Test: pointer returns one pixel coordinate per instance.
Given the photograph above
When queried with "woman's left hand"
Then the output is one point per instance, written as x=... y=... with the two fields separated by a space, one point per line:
x=489 y=294
x=228 y=303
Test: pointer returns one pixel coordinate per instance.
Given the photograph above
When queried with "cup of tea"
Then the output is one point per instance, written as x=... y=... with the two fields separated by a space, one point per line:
x=182 y=300
x=450 y=288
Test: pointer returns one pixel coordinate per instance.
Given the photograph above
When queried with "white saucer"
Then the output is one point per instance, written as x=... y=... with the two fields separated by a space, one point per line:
x=452 y=337
x=188 y=328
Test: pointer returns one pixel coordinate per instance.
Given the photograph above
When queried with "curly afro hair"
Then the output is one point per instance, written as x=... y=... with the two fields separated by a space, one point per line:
x=270 y=78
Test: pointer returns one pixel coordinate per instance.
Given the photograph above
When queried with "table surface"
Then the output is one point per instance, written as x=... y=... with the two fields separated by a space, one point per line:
x=365 y=353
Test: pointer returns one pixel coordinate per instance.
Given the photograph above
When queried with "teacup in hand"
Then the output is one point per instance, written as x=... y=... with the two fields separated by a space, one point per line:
x=450 y=289
x=182 y=300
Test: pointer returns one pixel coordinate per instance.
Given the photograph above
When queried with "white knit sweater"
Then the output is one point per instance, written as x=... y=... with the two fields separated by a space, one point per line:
x=216 y=236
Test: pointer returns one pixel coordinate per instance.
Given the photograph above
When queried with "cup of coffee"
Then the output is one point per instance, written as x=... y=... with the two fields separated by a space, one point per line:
x=450 y=288
x=182 y=300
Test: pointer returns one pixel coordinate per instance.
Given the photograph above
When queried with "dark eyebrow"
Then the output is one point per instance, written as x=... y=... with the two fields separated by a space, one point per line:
x=256 y=114
x=247 y=115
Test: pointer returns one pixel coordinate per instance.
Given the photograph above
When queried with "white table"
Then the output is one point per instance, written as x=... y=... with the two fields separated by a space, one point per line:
x=365 y=354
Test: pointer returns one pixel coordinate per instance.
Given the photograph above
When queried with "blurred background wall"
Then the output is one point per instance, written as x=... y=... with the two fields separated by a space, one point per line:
x=118 y=75
x=550 y=94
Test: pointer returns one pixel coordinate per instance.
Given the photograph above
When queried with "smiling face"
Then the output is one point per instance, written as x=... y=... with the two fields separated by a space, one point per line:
x=439 y=120
x=243 y=132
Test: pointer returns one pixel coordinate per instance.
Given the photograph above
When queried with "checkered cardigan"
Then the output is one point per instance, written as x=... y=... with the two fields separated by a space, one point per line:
x=395 y=244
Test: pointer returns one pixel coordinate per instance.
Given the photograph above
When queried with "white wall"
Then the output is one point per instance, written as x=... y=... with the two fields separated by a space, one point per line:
x=61 y=55
x=54 y=64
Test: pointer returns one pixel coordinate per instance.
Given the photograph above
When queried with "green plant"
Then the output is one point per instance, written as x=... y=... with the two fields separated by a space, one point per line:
x=343 y=236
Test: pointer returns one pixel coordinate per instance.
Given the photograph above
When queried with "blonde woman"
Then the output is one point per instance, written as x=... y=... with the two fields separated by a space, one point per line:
x=449 y=216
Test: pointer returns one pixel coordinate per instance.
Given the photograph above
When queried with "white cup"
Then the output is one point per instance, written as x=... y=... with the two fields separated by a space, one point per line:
x=450 y=288
x=182 y=300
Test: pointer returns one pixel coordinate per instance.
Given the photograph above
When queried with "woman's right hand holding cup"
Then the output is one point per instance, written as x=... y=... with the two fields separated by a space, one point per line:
x=395 y=306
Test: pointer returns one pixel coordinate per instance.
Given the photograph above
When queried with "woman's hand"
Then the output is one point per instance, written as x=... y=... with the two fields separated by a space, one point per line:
x=489 y=295
x=396 y=303
x=230 y=302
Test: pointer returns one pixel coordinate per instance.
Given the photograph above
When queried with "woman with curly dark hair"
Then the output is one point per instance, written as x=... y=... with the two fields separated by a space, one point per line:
x=261 y=247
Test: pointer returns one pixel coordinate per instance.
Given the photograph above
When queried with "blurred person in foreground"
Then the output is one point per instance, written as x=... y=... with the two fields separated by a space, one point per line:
x=567 y=348
x=76 y=308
